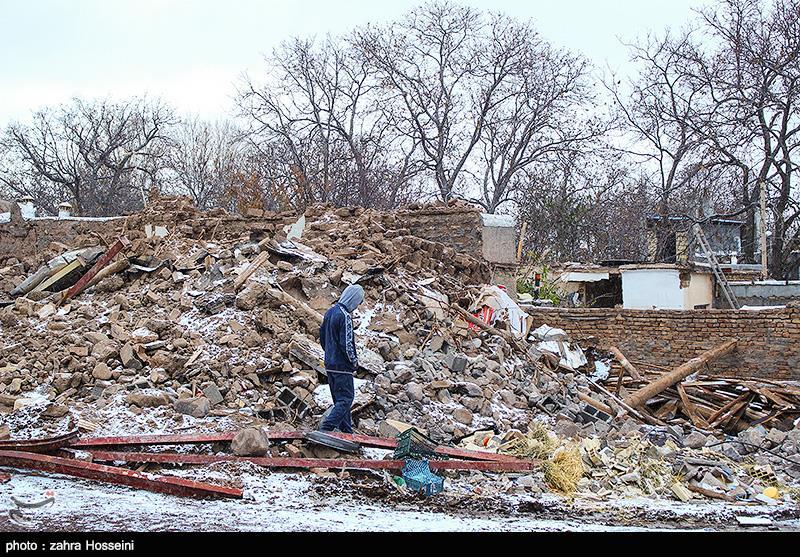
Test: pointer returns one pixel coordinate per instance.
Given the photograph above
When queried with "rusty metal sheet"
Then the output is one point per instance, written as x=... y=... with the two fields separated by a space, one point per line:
x=390 y=443
x=288 y=462
x=45 y=445
x=115 y=475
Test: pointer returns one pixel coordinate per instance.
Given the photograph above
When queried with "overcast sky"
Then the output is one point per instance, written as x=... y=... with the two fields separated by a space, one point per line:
x=192 y=52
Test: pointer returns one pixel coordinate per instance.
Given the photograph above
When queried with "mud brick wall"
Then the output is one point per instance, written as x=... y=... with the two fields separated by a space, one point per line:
x=29 y=238
x=769 y=340
x=460 y=228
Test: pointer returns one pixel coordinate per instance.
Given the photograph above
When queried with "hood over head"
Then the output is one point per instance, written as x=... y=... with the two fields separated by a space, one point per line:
x=352 y=296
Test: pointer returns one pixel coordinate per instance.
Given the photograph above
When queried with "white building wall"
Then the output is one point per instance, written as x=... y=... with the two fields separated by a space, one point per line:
x=652 y=289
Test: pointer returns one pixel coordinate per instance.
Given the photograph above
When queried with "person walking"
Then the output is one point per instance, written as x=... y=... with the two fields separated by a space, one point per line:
x=341 y=360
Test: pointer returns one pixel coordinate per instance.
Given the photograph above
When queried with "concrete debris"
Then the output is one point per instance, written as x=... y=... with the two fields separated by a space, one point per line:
x=250 y=442
x=197 y=407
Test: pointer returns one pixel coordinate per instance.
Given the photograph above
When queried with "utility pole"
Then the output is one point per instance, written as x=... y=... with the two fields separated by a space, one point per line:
x=763 y=232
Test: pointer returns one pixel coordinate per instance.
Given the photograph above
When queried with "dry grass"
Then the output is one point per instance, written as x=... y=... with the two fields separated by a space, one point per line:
x=538 y=444
x=562 y=464
x=563 y=471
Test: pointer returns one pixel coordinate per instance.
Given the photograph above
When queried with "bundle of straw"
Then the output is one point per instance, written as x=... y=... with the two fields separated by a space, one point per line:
x=563 y=471
x=537 y=444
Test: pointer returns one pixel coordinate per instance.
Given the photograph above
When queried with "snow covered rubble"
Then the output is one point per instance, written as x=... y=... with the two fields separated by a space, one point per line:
x=169 y=345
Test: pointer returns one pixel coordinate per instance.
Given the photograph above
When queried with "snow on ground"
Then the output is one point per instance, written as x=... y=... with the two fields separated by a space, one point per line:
x=288 y=502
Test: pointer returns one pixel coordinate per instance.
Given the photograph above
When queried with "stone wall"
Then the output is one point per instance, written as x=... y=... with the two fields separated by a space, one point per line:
x=24 y=246
x=769 y=340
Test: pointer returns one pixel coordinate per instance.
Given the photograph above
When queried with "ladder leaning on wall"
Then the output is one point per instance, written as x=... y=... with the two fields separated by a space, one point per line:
x=727 y=291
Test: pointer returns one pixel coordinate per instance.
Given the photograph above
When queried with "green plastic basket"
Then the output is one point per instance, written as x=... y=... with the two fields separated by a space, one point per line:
x=412 y=444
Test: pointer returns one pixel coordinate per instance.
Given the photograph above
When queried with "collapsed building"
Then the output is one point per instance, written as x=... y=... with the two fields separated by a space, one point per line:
x=177 y=319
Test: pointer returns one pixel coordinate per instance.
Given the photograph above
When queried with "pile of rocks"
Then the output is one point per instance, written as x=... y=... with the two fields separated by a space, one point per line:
x=172 y=330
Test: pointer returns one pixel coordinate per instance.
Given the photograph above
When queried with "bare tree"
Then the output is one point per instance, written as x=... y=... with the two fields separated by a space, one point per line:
x=320 y=109
x=438 y=64
x=582 y=206
x=203 y=160
x=93 y=153
x=753 y=74
x=546 y=111
x=656 y=108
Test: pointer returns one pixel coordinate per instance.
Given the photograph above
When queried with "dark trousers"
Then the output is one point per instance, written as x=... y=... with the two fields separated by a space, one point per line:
x=343 y=392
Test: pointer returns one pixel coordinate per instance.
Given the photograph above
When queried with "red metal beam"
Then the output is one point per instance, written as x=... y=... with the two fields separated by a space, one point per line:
x=283 y=462
x=366 y=440
x=40 y=445
x=131 y=440
x=77 y=288
x=391 y=443
x=115 y=475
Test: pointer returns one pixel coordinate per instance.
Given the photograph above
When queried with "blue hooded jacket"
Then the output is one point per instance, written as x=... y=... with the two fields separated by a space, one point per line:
x=336 y=333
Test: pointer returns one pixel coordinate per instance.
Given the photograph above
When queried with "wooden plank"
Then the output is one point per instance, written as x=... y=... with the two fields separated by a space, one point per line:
x=64 y=271
x=121 y=243
x=713 y=418
x=710 y=494
x=689 y=408
x=729 y=413
x=260 y=259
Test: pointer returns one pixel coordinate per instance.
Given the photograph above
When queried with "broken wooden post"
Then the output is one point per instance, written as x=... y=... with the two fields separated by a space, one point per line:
x=260 y=259
x=667 y=380
x=521 y=241
x=35 y=279
x=644 y=416
x=78 y=287
x=596 y=404
x=626 y=365
x=113 y=269
x=467 y=316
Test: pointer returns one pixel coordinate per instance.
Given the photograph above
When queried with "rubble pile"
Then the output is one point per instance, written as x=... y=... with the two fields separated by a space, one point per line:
x=171 y=330
x=203 y=314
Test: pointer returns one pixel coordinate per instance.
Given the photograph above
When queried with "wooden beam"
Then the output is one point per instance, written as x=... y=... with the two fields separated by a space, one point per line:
x=521 y=240
x=690 y=410
x=121 y=243
x=260 y=259
x=623 y=361
x=285 y=298
x=467 y=316
x=113 y=269
x=596 y=404
x=640 y=397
